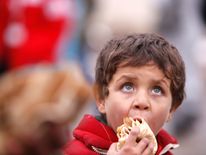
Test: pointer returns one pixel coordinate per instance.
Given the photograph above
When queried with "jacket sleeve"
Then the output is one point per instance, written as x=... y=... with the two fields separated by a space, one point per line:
x=76 y=147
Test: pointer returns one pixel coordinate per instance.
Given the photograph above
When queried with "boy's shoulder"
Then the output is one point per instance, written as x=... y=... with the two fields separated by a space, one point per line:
x=90 y=129
x=90 y=132
x=166 y=142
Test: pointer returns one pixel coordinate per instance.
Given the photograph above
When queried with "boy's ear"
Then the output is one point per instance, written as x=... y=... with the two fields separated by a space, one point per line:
x=170 y=115
x=99 y=102
x=101 y=106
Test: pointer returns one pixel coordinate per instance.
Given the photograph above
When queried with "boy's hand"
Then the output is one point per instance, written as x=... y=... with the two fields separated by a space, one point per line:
x=131 y=146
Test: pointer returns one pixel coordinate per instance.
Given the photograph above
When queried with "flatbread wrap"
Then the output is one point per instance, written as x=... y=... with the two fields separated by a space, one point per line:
x=145 y=131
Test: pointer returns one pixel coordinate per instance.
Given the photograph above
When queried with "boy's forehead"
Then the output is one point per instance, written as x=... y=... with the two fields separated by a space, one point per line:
x=149 y=65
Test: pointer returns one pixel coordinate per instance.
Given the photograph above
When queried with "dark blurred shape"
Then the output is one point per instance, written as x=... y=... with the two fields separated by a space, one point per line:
x=185 y=125
x=171 y=20
x=203 y=11
x=36 y=107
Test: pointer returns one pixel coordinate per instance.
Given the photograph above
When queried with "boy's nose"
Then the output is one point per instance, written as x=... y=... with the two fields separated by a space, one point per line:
x=141 y=101
x=142 y=106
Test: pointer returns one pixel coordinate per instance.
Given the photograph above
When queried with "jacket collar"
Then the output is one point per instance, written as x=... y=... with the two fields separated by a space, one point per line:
x=99 y=136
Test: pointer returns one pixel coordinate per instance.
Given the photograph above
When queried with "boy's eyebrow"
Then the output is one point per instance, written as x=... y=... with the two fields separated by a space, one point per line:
x=127 y=76
x=163 y=80
x=131 y=76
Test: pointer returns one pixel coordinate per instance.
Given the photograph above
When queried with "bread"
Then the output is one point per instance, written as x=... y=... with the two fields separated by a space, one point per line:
x=145 y=131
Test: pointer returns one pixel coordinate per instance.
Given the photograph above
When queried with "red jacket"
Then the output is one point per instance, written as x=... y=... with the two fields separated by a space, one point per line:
x=92 y=136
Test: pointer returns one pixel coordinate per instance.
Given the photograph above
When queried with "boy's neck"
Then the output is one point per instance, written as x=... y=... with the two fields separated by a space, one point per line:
x=101 y=118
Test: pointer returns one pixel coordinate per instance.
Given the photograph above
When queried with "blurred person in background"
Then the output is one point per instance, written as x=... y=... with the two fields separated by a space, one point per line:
x=36 y=107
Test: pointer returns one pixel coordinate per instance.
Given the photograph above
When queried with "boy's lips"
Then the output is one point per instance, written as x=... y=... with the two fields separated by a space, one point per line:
x=139 y=118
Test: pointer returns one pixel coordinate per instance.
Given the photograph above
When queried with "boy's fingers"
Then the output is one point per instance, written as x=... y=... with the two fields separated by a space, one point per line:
x=113 y=146
x=148 y=150
x=143 y=144
x=112 y=149
x=133 y=135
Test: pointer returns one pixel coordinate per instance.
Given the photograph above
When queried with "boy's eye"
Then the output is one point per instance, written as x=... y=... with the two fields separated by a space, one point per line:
x=157 y=90
x=127 y=87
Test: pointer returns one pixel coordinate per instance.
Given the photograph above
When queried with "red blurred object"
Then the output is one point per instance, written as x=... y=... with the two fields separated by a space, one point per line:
x=3 y=22
x=31 y=31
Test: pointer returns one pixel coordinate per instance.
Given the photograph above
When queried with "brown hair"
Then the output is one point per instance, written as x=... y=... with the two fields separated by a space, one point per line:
x=138 y=50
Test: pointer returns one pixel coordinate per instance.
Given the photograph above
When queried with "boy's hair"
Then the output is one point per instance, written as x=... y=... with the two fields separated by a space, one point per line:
x=138 y=50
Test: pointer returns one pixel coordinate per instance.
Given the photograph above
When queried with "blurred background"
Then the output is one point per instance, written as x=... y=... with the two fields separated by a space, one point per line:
x=58 y=32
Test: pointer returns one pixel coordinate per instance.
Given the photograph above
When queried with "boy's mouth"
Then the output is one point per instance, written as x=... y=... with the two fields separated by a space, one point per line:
x=139 y=119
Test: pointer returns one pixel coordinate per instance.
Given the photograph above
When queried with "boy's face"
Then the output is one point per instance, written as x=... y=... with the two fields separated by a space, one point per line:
x=138 y=92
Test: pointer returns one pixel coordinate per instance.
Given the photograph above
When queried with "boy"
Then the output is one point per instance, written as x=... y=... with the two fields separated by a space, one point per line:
x=139 y=75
